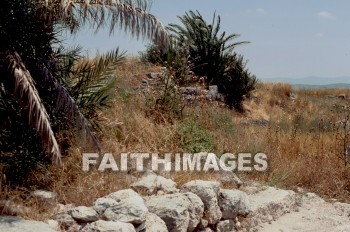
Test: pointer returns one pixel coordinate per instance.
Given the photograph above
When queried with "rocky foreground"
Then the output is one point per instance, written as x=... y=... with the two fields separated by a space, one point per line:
x=155 y=204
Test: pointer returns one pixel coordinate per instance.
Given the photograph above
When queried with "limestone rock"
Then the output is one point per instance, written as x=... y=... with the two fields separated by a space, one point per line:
x=64 y=220
x=53 y=224
x=233 y=203
x=44 y=195
x=270 y=204
x=181 y=212
x=129 y=207
x=208 y=193
x=151 y=184
x=154 y=223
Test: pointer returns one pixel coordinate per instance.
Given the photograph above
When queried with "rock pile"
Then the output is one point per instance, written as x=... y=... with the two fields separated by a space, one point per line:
x=156 y=204
x=153 y=203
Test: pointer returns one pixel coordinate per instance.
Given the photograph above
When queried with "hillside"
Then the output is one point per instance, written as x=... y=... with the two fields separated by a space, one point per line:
x=302 y=132
x=299 y=130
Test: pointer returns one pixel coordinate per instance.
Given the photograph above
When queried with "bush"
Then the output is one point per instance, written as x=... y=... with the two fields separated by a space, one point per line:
x=236 y=83
x=194 y=138
x=176 y=60
x=154 y=55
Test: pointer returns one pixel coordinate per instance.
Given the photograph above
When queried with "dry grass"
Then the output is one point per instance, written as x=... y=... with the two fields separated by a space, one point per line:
x=304 y=143
x=302 y=140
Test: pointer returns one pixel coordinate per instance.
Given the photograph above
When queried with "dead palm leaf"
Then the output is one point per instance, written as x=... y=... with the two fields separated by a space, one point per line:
x=25 y=91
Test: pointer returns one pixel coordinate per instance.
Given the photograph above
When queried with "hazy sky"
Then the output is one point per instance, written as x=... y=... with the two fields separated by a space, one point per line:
x=289 y=38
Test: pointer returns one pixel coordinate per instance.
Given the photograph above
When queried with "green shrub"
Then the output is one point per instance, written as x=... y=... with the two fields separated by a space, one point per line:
x=237 y=82
x=176 y=59
x=193 y=137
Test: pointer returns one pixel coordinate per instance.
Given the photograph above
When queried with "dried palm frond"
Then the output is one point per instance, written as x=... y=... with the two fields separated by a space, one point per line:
x=27 y=93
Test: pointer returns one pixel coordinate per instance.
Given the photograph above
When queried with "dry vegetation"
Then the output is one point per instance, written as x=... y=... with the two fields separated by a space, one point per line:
x=297 y=129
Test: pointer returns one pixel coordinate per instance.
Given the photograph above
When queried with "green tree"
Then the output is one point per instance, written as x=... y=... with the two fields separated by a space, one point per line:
x=207 y=46
x=29 y=67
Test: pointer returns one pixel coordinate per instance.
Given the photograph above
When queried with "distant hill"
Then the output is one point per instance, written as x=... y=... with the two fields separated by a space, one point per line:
x=330 y=86
x=314 y=82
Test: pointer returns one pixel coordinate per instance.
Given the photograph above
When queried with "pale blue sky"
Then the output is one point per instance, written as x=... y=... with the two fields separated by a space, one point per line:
x=289 y=38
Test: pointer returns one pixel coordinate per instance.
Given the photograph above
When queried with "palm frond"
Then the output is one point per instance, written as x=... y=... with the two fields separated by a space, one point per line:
x=91 y=77
x=93 y=81
x=27 y=93
x=67 y=104
x=88 y=81
x=130 y=15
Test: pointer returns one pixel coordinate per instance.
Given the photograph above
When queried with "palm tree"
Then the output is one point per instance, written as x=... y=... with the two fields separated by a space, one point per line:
x=207 y=47
x=29 y=69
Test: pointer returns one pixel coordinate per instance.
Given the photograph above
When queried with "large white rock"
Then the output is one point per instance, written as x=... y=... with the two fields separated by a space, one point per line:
x=108 y=226
x=181 y=212
x=233 y=203
x=154 y=224
x=129 y=207
x=16 y=224
x=208 y=193
x=195 y=211
x=125 y=195
x=84 y=214
x=270 y=204
x=151 y=184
